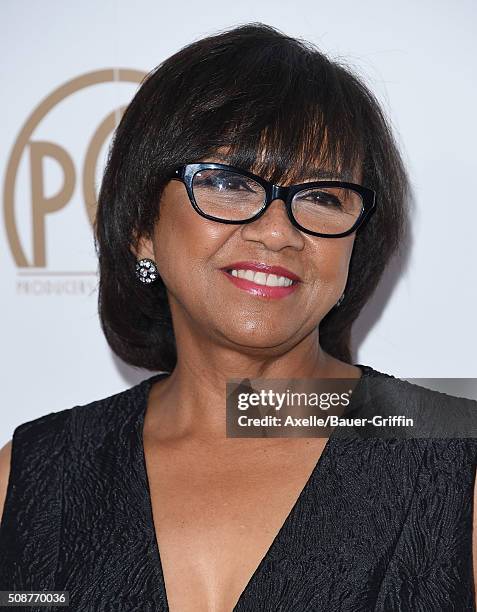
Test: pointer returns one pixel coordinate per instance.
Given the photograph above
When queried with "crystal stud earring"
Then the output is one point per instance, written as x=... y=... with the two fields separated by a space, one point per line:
x=146 y=270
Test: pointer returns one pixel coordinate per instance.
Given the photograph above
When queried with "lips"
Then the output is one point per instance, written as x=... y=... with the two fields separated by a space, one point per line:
x=262 y=267
x=259 y=289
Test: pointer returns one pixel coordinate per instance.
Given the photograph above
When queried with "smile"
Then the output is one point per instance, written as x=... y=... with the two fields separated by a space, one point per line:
x=260 y=278
x=262 y=282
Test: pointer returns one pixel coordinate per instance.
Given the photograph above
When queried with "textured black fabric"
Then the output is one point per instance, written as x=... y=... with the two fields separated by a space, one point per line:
x=382 y=524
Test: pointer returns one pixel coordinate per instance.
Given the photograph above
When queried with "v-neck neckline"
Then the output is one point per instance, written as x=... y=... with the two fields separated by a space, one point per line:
x=149 y=518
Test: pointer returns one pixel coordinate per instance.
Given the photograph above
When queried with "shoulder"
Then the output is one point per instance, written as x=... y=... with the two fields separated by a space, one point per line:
x=31 y=444
x=82 y=419
x=440 y=529
x=434 y=413
x=37 y=444
x=415 y=388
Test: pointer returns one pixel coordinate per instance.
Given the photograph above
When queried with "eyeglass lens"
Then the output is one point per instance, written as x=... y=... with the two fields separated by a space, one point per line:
x=232 y=196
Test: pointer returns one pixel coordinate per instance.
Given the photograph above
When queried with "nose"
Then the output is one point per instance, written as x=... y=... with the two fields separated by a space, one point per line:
x=274 y=229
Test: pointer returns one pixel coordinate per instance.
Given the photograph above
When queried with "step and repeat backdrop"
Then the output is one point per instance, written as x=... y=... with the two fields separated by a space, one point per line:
x=68 y=72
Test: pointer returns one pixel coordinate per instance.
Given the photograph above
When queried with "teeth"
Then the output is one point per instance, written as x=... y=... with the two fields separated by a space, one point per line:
x=260 y=278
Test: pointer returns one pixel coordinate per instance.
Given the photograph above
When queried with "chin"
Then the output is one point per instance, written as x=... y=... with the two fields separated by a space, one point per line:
x=257 y=336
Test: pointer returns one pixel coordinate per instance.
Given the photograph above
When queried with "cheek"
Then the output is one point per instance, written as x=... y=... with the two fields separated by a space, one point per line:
x=183 y=243
x=331 y=261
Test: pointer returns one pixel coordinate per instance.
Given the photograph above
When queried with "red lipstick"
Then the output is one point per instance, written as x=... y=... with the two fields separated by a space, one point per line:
x=259 y=289
x=262 y=267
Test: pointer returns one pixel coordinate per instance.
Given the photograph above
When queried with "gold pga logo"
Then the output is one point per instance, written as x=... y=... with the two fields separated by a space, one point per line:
x=32 y=262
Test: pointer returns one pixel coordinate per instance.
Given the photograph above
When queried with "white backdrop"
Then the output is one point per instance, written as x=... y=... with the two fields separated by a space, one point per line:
x=419 y=58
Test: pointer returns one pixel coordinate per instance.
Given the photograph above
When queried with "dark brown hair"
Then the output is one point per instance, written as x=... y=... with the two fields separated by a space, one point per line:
x=253 y=90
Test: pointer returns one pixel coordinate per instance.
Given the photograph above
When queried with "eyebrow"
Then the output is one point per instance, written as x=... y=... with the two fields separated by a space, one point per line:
x=316 y=174
x=321 y=173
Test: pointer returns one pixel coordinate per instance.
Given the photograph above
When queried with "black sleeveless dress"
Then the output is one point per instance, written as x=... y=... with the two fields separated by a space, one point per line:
x=381 y=524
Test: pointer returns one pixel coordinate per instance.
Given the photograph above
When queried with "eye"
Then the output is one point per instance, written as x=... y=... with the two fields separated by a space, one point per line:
x=218 y=180
x=321 y=197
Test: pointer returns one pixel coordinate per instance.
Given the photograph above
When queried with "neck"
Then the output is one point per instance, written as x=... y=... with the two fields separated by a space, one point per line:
x=190 y=403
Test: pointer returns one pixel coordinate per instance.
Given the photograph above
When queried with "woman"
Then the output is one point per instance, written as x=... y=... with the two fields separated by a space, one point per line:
x=139 y=501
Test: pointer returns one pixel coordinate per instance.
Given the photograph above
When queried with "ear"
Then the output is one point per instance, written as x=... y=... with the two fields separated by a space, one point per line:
x=144 y=248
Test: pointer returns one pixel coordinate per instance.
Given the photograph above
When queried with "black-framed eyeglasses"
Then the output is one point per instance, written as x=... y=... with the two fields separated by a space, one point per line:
x=227 y=194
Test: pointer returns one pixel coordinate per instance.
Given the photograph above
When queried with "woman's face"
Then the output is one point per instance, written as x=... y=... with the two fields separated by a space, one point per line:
x=192 y=254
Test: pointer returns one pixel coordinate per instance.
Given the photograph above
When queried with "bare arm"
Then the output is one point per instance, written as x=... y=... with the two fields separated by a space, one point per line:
x=5 y=457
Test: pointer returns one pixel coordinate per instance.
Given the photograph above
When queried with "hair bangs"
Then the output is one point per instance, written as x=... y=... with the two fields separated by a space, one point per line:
x=300 y=129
